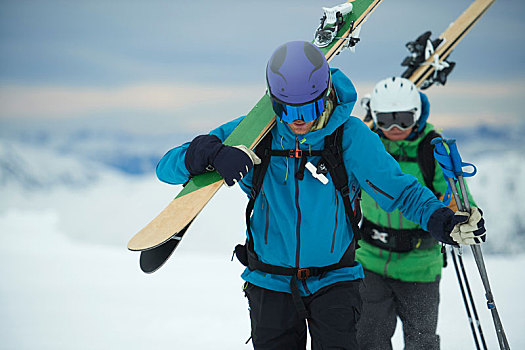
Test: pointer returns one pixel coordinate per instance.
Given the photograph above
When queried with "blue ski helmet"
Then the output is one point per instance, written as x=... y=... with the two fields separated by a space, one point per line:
x=298 y=79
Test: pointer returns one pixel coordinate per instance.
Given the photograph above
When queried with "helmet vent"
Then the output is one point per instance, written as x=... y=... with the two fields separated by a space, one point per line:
x=277 y=61
x=314 y=56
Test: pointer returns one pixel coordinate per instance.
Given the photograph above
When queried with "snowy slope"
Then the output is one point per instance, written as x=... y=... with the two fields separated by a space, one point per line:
x=68 y=282
x=59 y=294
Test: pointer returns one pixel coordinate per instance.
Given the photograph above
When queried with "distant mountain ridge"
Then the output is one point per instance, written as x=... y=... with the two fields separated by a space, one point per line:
x=36 y=159
x=135 y=154
x=127 y=153
x=488 y=138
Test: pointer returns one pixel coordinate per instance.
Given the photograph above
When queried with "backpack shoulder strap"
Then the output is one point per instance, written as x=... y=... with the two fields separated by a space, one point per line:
x=334 y=162
x=426 y=161
x=263 y=151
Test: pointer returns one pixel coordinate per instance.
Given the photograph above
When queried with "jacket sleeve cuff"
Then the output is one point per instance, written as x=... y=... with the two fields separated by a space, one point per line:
x=440 y=225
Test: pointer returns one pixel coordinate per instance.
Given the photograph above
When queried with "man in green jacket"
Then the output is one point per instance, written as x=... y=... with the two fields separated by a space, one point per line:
x=402 y=262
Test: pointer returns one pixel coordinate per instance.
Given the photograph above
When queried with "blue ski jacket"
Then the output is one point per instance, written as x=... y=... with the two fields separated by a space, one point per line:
x=302 y=223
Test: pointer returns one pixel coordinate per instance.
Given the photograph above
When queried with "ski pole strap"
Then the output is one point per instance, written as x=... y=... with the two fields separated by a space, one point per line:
x=457 y=163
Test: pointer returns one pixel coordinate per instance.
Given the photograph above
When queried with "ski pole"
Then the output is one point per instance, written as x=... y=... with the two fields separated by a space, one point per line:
x=462 y=289
x=471 y=298
x=463 y=205
x=445 y=162
x=457 y=165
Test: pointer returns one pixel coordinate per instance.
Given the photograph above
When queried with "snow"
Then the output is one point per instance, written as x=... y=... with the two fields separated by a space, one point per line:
x=499 y=190
x=68 y=282
x=71 y=198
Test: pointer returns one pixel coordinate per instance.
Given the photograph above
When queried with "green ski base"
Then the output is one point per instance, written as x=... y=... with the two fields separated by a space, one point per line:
x=175 y=218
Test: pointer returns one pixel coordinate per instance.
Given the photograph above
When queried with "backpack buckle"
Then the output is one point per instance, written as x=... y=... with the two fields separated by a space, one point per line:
x=298 y=153
x=303 y=274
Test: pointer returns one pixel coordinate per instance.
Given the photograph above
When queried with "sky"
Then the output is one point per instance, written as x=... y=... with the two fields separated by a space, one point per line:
x=170 y=66
x=173 y=66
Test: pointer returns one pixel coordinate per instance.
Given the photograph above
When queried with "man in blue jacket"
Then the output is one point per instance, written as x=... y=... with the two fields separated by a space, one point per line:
x=301 y=234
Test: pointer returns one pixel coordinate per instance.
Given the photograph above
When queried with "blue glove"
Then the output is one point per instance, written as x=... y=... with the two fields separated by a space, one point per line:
x=206 y=152
x=459 y=228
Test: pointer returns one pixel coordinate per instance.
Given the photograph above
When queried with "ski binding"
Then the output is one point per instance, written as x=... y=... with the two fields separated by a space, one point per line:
x=331 y=22
x=421 y=50
x=353 y=39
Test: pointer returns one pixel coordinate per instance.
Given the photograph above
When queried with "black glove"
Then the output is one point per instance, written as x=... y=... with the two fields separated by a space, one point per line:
x=458 y=228
x=469 y=228
x=231 y=162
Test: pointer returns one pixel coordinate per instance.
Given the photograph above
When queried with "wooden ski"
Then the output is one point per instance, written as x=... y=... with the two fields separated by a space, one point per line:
x=450 y=38
x=427 y=64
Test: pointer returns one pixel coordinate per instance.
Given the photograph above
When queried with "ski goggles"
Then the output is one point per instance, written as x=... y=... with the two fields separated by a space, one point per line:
x=403 y=120
x=306 y=112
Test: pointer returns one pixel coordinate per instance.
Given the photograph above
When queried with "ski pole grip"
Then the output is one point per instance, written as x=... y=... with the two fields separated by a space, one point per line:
x=457 y=162
x=455 y=157
x=438 y=145
x=443 y=158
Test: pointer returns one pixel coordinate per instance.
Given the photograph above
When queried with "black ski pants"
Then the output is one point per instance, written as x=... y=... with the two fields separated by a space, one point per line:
x=385 y=299
x=332 y=316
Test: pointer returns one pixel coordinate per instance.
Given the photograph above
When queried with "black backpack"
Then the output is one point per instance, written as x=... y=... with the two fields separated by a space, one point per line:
x=425 y=160
x=405 y=240
x=331 y=162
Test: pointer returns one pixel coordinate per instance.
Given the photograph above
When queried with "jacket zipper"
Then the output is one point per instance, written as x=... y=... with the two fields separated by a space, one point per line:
x=298 y=227
x=378 y=190
x=356 y=200
x=336 y=223
x=267 y=224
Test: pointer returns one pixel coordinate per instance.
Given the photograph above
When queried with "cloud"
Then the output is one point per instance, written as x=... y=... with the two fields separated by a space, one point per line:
x=465 y=103
x=503 y=89
x=18 y=101
x=190 y=107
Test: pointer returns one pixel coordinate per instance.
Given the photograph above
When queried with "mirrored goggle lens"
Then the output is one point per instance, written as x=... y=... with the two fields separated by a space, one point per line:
x=402 y=120
x=307 y=113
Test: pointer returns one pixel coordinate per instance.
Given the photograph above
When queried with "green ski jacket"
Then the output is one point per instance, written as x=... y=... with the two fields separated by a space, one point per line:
x=420 y=264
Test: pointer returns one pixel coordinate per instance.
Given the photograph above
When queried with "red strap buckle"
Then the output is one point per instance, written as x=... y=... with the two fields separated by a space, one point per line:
x=303 y=274
x=297 y=154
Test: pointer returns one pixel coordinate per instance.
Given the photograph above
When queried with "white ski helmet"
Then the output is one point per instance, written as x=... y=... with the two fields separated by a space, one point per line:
x=395 y=95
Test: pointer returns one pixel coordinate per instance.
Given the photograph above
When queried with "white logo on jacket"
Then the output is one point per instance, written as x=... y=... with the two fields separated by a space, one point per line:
x=381 y=236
